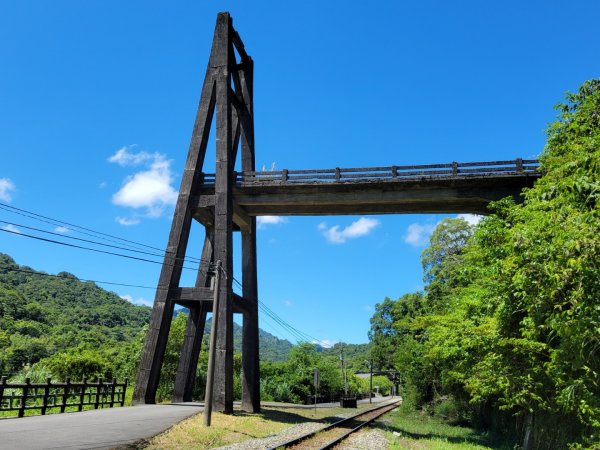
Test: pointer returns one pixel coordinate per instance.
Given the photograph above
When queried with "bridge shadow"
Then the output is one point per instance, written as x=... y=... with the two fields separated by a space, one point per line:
x=278 y=415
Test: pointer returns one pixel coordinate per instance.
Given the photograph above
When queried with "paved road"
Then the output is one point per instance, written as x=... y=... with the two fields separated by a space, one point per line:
x=102 y=428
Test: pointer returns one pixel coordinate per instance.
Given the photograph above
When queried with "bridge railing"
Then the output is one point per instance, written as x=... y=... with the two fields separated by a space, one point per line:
x=391 y=173
x=26 y=396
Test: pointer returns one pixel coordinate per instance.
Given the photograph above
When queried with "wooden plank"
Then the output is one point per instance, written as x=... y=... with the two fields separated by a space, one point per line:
x=46 y=395
x=25 y=392
x=239 y=45
x=190 y=294
x=241 y=217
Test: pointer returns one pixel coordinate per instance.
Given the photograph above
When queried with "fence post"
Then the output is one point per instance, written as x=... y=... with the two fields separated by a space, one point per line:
x=394 y=171
x=338 y=174
x=284 y=175
x=24 y=398
x=519 y=163
x=454 y=168
x=98 y=393
x=112 y=392
x=82 y=394
x=123 y=393
x=2 y=383
x=65 y=395
x=46 y=393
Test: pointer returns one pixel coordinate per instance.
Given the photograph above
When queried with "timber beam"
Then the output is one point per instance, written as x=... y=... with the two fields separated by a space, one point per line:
x=465 y=195
x=188 y=297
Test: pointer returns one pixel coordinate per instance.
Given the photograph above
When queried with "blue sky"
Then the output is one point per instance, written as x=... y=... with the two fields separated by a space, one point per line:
x=98 y=99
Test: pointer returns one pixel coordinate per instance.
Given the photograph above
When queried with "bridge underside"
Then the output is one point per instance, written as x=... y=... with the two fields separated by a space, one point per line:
x=466 y=194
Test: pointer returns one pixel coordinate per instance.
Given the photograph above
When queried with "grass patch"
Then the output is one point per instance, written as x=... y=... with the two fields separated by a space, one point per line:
x=418 y=430
x=238 y=427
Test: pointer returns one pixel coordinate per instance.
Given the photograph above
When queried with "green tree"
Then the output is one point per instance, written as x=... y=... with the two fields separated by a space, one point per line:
x=78 y=364
x=512 y=313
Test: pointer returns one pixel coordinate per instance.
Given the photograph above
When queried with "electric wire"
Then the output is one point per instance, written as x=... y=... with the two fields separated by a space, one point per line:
x=43 y=274
x=86 y=240
x=66 y=244
x=271 y=317
x=298 y=335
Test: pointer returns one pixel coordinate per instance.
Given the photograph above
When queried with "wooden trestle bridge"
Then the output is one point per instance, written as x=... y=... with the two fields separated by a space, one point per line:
x=226 y=202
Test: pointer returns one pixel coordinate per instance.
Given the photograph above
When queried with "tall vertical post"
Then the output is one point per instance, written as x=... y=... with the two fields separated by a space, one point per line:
x=210 y=374
x=232 y=123
x=250 y=349
x=371 y=381
x=224 y=219
x=250 y=353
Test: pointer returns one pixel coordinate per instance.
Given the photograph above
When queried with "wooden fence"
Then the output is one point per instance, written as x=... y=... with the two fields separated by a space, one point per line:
x=44 y=396
x=391 y=173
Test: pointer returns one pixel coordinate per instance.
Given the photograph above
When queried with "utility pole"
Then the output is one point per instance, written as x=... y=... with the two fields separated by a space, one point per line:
x=317 y=382
x=371 y=382
x=370 y=364
x=344 y=370
x=208 y=397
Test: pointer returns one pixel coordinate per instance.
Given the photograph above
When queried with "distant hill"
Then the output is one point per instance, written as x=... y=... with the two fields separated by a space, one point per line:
x=355 y=355
x=271 y=348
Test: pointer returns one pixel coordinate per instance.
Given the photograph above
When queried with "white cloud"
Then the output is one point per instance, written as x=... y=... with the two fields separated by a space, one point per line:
x=368 y=308
x=62 y=230
x=361 y=227
x=288 y=303
x=326 y=343
x=127 y=221
x=472 y=219
x=139 y=301
x=418 y=234
x=124 y=157
x=102 y=185
x=263 y=221
x=11 y=228
x=6 y=186
x=150 y=189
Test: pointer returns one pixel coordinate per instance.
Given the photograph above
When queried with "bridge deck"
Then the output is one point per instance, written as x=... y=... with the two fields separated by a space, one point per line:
x=444 y=188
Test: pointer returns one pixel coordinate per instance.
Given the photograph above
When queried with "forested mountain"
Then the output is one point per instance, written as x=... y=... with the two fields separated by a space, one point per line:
x=356 y=356
x=43 y=315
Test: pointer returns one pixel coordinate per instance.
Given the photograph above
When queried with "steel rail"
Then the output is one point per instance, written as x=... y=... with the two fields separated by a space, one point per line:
x=299 y=440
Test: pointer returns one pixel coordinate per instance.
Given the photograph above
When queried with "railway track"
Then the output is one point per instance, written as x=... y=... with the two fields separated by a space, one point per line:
x=333 y=434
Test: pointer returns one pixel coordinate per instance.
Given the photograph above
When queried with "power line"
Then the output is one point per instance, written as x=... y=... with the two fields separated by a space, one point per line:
x=42 y=274
x=73 y=227
x=66 y=244
x=89 y=241
x=84 y=280
x=298 y=334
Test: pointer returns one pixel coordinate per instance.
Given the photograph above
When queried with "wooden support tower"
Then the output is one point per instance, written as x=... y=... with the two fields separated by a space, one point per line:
x=225 y=202
x=227 y=97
